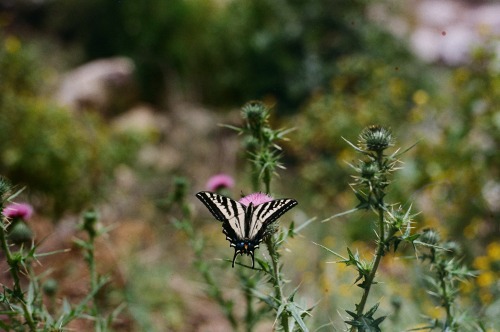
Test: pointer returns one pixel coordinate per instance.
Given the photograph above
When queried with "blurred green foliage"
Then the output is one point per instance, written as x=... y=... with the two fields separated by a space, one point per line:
x=224 y=52
x=460 y=158
x=66 y=157
x=453 y=170
x=368 y=90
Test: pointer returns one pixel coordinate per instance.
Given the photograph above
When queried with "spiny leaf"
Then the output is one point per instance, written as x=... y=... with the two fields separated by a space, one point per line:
x=292 y=309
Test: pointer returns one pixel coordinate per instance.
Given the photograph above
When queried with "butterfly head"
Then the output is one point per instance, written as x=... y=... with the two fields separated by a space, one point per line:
x=244 y=247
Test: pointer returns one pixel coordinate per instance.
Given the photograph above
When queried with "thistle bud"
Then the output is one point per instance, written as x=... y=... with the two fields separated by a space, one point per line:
x=89 y=222
x=430 y=236
x=180 y=189
x=375 y=138
x=50 y=287
x=368 y=169
x=20 y=233
x=256 y=114
x=4 y=188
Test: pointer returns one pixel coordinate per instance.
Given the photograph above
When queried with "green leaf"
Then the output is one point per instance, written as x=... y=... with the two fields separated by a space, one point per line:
x=292 y=309
x=366 y=322
x=264 y=265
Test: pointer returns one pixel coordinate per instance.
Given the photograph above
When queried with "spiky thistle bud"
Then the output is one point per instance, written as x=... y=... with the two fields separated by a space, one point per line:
x=20 y=233
x=4 y=188
x=256 y=114
x=368 y=169
x=50 y=287
x=375 y=138
x=430 y=236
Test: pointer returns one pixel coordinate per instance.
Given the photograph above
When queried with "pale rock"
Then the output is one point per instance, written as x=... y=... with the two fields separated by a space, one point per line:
x=105 y=85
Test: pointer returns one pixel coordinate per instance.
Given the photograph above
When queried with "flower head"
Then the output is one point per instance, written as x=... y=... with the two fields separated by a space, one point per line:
x=219 y=181
x=18 y=210
x=430 y=236
x=376 y=138
x=255 y=199
x=256 y=113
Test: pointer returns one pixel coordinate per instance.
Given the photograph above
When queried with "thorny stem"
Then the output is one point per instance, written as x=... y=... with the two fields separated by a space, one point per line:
x=267 y=181
x=91 y=261
x=380 y=246
x=14 y=272
x=446 y=303
x=94 y=282
x=373 y=271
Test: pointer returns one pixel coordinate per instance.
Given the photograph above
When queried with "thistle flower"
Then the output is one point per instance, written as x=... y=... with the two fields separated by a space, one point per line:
x=376 y=138
x=18 y=210
x=219 y=182
x=255 y=199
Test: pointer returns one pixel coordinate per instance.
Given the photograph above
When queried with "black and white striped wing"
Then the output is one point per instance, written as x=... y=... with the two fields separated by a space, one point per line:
x=267 y=213
x=227 y=210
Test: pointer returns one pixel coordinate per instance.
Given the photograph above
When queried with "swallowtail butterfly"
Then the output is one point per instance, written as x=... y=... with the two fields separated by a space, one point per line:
x=244 y=225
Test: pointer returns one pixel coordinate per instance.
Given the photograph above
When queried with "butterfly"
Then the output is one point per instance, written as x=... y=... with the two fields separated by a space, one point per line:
x=244 y=225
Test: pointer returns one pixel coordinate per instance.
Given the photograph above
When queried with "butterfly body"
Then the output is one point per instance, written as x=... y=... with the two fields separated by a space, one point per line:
x=244 y=225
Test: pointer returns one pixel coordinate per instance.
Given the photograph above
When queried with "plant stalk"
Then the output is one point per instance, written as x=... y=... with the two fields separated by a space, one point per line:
x=14 y=272
x=380 y=246
x=446 y=303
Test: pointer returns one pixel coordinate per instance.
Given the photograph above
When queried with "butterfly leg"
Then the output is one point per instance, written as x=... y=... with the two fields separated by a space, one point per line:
x=236 y=252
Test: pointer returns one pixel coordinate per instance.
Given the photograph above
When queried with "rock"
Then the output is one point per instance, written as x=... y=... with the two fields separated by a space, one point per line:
x=105 y=85
x=142 y=119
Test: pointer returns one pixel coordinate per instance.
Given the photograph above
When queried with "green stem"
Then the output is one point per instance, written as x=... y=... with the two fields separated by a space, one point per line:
x=92 y=268
x=94 y=282
x=446 y=301
x=369 y=281
x=14 y=272
x=267 y=181
x=378 y=257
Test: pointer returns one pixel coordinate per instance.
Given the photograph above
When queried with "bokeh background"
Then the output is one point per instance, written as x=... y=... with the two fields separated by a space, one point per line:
x=103 y=103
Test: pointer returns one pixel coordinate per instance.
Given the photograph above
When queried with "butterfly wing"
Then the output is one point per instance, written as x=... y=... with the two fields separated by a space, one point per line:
x=227 y=210
x=244 y=226
x=267 y=213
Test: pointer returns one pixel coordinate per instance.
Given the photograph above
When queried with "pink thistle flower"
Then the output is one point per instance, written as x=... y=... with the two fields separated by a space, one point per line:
x=219 y=181
x=18 y=210
x=255 y=199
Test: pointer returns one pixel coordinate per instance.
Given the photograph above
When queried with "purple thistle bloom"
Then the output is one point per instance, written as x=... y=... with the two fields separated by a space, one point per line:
x=255 y=199
x=219 y=181
x=18 y=210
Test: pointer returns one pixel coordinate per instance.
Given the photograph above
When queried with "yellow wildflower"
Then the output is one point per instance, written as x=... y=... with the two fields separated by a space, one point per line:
x=493 y=251
x=481 y=263
x=420 y=97
x=486 y=279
